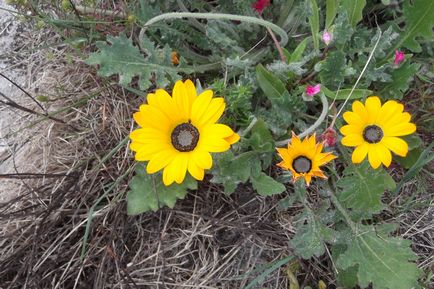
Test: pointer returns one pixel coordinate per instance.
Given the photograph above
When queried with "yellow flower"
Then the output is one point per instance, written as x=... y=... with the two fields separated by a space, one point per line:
x=178 y=132
x=304 y=158
x=374 y=130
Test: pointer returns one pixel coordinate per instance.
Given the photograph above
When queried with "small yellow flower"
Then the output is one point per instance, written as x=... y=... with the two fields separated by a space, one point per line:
x=304 y=158
x=178 y=132
x=374 y=130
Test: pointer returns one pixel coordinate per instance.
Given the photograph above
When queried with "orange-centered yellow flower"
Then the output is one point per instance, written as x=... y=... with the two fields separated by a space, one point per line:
x=304 y=158
x=178 y=132
x=374 y=130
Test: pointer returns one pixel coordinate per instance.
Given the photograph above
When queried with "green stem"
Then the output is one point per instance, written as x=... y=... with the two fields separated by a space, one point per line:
x=217 y=16
x=317 y=123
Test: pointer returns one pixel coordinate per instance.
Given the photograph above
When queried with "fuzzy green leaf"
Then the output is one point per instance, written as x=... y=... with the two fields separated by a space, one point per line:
x=310 y=238
x=419 y=19
x=382 y=261
x=343 y=93
x=146 y=194
x=354 y=10
x=331 y=10
x=362 y=188
x=401 y=79
x=314 y=23
x=120 y=56
x=333 y=70
x=266 y=185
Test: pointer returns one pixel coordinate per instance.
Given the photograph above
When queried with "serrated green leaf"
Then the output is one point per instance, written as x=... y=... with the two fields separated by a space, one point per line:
x=333 y=69
x=419 y=19
x=266 y=185
x=382 y=261
x=314 y=23
x=148 y=193
x=401 y=79
x=310 y=238
x=343 y=93
x=362 y=188
x=354 y=10
x=120 y=57
x=331 y=10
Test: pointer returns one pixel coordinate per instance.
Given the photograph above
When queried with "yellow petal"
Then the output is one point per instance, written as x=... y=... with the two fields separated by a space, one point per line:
x=352 y=140
x=353 y=118
x=396 y=145
x=146 y=151
x=165 y=103
x=360 y=110
x=197 y=172
x=233 y=138
x=359 y=153
x=325 y=158
x=319 y=173
x=160 y=160
x=191 y=90
x=373 y=105
x=373 y=156
x=400 y=129
x=200 y=106
x=295 y=142
x=202 y=159
x=150 y=116
x=351 y=129
x=216 y=130
x=181 y=164
x=182 y=100
x=212 y=144
x=213 y=112
x=149 y=135
x=387 y=111
x=308 y=178
x=385 y=155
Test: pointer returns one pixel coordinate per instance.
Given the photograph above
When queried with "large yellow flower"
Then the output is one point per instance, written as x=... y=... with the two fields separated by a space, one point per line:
x=374 y=130
x=304 y=158
x=178 y=132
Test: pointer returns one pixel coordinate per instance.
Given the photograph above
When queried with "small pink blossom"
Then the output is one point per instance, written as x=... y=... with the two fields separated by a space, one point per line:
x=399 y=57
x=260 y=5
x=312 y=90
x=326 y=37
x=329 y=137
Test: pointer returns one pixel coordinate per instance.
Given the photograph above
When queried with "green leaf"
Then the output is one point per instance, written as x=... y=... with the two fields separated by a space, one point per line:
x=362 y=188
x=314 y=23
x=354 y=10
x=310 y=238
x=148 y=193
x=401 y=79
x=333 y=69
x=419 y=19
x=261 y=139
x=344 y=277
x=382 y=261
x=331 y=10
x=343 y=93
x=120 y=56
x=298 y=51
x=266 y=185
x=271 y=85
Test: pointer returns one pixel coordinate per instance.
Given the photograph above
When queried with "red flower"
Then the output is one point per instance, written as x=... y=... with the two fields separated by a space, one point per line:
x=329 y=137
x=399 y=57
x=260 y=5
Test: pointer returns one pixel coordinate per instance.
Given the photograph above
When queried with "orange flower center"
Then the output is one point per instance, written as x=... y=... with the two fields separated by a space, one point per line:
x=185 y=137
x=302 y=164
x=372 y=134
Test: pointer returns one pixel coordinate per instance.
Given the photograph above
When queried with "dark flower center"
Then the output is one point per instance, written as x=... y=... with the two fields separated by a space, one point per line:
x=302 y=164
x=185 y=137
x=372 y=134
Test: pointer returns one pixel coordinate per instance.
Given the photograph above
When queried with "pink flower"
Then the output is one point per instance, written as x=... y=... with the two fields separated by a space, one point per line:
x=312 y=90
x=329 y=137
x=260 y=5
x=326 y=37
x=399 y=57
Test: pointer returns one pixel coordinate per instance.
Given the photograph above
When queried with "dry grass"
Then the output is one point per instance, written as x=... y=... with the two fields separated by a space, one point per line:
x=208 y=240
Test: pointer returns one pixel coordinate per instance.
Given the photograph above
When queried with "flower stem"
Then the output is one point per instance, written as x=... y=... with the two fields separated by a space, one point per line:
x=325 y=108
x=341 y=209
x=217 y=16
